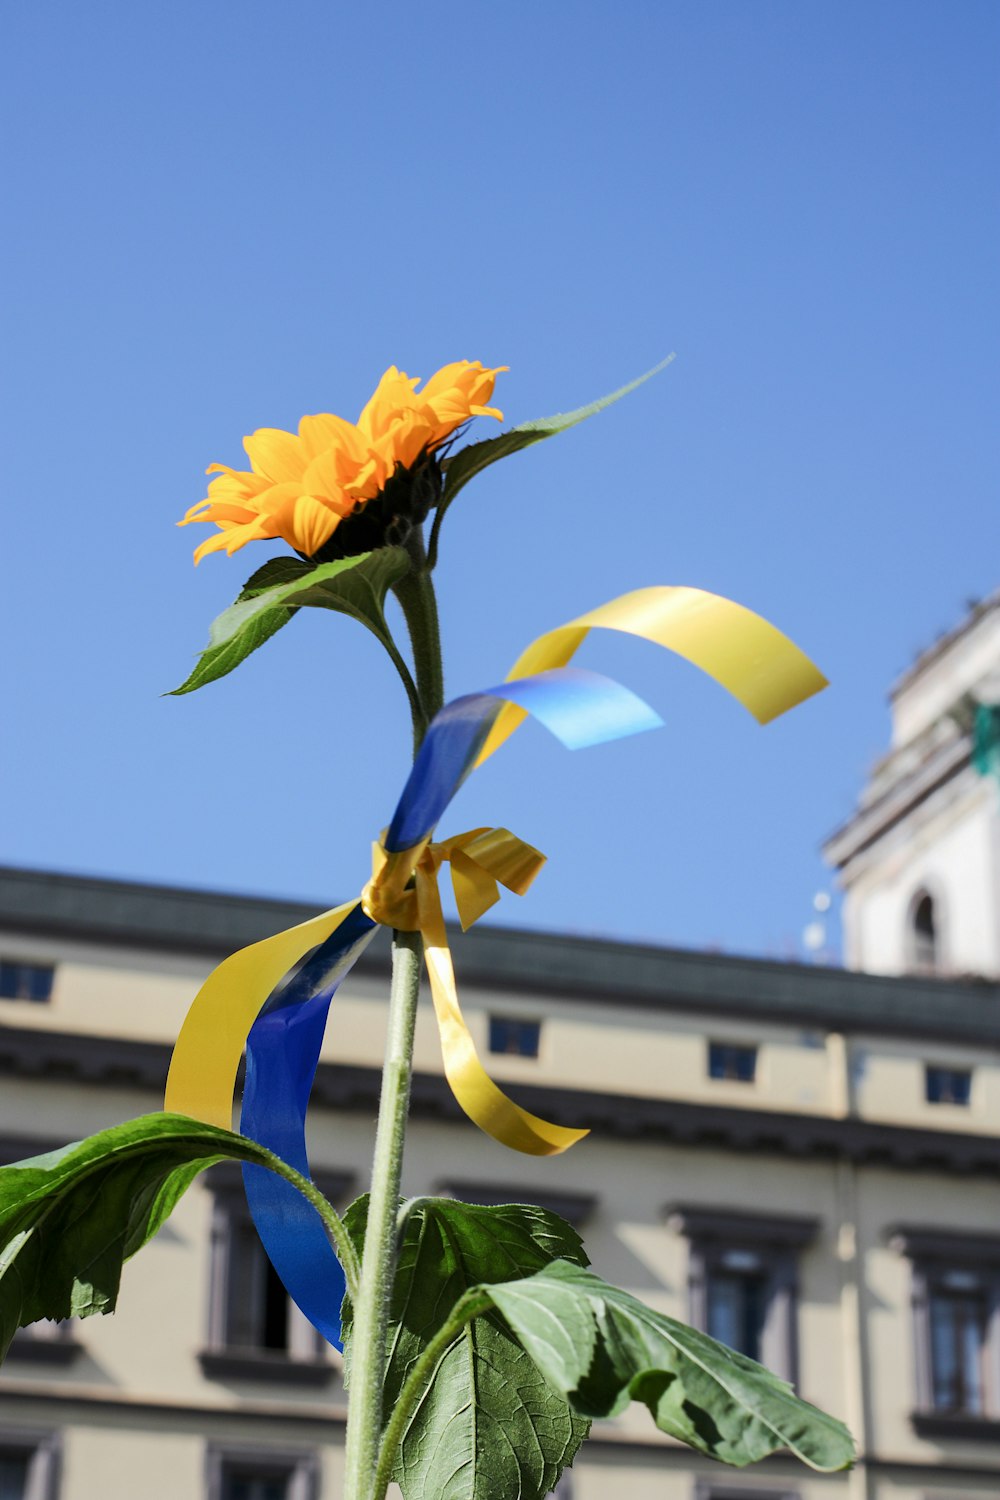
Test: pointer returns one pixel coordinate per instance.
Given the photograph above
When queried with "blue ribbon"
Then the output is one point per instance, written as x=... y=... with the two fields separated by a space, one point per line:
x=580 y=708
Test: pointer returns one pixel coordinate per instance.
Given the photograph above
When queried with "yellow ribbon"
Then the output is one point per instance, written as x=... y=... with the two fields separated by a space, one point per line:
x=745 y=654
x=479 y=860
x=756 y=663
x=206 y=1059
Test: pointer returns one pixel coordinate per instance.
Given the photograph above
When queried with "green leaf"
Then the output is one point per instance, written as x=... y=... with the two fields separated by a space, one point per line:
x=276 y=570
x=470 y=461
x=354 y=586
x=489 y=1425
x=71 y=1218
x=602 y=1348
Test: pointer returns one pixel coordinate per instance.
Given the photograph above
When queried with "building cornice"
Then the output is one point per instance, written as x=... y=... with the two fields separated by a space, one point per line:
x=979 y=612
x=554 y=966
x=872 y=822
x=117 y=1063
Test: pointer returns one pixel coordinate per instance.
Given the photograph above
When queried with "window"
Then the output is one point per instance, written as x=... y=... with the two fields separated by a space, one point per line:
x=948 y=1085
x=515 y=1038
x=261 y=1474
x=743 y=1280
x=956 y=1313
x=707 y=1490
x=14 y=1475
x=20 y=981
x=736 y=1301
x=255 y=1330
x=241 y=1484
x=29 y=1465
x=732 y=1061
x=45 y=1343
x=922 y=936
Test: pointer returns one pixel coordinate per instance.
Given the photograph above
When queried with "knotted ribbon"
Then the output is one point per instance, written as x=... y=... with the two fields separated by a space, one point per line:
x=479 y=860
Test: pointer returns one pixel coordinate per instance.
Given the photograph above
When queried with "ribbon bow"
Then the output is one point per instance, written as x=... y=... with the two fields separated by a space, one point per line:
x=480 y=860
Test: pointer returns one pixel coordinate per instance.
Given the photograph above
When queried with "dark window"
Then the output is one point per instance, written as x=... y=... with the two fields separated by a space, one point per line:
x=239 y=1484
x=710 y=1491
x=956 y=1327
x=959 y=1322
x=737 y=1295
x=731 y=1061
x=25 y=981
x=252 y=1474
x=29 y=1465
x=743 y=1279
x=252 y=1313
x=256 y=1307
x=14 y=1475
x=516 y=1038
x=45 y=1342
x=255 y=1329
x=948 y=1085
x=923 y=935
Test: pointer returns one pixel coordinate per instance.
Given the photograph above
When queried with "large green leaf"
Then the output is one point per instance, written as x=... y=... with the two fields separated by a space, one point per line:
x=602 y=1348
x=71 y=1218
x=354 y=586
x=470 y=461
x=489 y=1424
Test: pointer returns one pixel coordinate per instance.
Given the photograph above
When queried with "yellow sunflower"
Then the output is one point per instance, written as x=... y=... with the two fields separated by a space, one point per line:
x=304 y=487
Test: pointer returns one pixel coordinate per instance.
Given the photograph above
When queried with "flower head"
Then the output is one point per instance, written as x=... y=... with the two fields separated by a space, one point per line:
x=339 y=488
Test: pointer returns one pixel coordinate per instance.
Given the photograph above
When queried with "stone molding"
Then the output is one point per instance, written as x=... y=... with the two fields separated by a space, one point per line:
x=74 y=1059
x=505 y=960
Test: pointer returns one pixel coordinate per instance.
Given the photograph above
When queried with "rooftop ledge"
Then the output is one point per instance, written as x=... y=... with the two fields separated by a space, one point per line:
x=551 y=965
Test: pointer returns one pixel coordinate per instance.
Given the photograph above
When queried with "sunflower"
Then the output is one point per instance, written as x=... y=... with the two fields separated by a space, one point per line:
x=337 y=488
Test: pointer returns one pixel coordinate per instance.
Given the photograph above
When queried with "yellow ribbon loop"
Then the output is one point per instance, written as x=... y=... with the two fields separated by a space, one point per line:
x=480 y=860
x=745 y=654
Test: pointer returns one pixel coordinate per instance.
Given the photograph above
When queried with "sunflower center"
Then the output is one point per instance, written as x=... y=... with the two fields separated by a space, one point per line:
x=389 y=519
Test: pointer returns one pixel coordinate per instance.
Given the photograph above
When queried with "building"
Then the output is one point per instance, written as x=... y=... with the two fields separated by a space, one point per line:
x=919 y=861
x=803 y=1160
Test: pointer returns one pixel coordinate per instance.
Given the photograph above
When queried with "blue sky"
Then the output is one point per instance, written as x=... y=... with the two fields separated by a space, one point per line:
x=226 y=215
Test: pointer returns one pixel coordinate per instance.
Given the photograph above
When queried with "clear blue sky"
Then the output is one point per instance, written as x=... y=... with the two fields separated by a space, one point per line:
x=224 y=215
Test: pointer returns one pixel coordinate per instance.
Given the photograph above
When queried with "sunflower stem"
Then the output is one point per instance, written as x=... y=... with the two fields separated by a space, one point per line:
x=378 y=1264
x=369 y=1351
x=415 y=592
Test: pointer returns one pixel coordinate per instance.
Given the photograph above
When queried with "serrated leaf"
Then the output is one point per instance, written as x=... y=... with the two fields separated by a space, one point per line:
x=70 y=1219
x=602 y=1348
x=489 y=1425
x=354 y=586
x=470 y=461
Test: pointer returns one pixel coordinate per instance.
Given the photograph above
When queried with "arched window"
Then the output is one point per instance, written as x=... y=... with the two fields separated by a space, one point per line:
x=923 y=937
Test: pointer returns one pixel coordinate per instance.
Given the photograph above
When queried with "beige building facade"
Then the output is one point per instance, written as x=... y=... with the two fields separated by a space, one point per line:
x=804 y=1161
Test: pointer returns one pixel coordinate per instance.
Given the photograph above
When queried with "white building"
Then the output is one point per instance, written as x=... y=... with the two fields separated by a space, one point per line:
x=919 y=860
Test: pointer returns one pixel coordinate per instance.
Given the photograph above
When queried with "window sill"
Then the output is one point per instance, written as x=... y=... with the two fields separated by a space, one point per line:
x=943 y=1424
x=266 y=1366
x=44 y=1351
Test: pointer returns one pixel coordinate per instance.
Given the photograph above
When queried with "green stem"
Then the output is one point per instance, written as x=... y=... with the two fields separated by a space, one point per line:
x=415 y=592
x=331 y=1219
x=378 y=1266
x=417 y=715
x=466 y=1308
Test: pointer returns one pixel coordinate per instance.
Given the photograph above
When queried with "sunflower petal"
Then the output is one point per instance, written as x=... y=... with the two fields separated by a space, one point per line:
x=278 y=455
